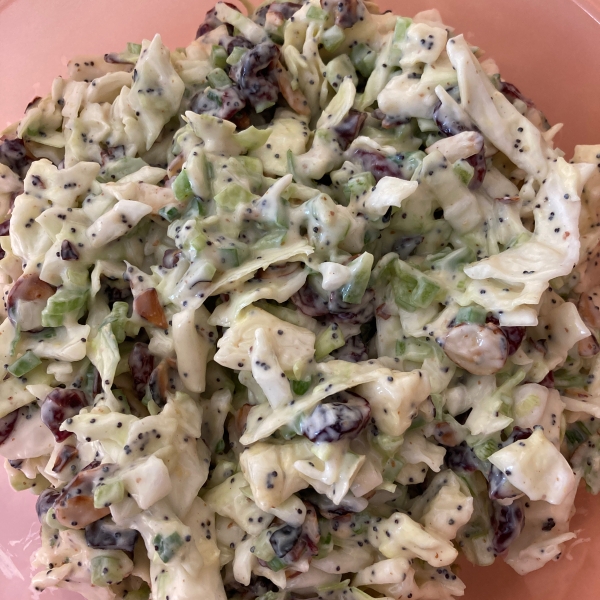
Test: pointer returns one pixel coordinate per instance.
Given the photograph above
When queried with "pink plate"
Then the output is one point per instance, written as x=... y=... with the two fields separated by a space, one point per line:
x=550 y=49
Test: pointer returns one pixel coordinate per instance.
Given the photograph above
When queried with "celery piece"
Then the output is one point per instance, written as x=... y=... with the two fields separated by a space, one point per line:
x=413 y=350
x=167 y=546
x=106 y=570
x=354 y=290
x=363 y=58
x=300 y=387
x=464 y=171
x=182 y=188
x=134 y=48
x=412 y=289
x=317 y=14
x=61 y=303
x=233 y=195
x=332 y=38
x=262 y=106
x=218 y=79
x=236 y=55
x=228 y=258
x=15 y=341
x=470 y=314
x=108 y=493
x=26 y=363
x=169 y=213
x=328 y=340
x=402 y=25
x=218 y=57
x=276 y=564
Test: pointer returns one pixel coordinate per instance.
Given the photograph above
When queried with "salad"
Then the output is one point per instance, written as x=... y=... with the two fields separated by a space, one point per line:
x=305 y=309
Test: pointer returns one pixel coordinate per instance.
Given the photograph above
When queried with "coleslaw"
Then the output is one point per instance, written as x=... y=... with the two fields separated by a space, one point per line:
x=304 y=309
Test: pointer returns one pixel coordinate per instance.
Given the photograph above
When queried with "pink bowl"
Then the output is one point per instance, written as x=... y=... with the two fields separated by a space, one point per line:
x=550 y=49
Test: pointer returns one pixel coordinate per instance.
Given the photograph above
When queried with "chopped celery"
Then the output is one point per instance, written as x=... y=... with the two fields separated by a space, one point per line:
x=338 y=69
x=329 y=340
x=16 y=339
x=134 y=48
x=354 y=290
x=262 y=106
x=182 y=188
x=300 y=387
x=332 y=38
x=26 y=363
x=363 y=58
x=470 y=314
x=413 y=350
x=427 y=125
x=169 y=213
x=233 y=195
x=61 y=303
x=167 y=546
x=402 y=25
x=109 y=493
x=218 y=79
x=576 y=434
x=218 y=57
x=317 y=14
x=412 y=289
x=276 y=564
x=228 y=258
x=464 y=171
x=236 y=55
x=106 y=570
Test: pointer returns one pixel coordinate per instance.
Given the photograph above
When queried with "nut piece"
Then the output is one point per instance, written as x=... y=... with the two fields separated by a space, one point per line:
x=26 y=300
x=479 y=349
x=148 y=306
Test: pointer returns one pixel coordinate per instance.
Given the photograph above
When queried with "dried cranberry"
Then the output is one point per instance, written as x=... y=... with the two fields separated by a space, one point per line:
x=284 y=539
x=548 y=381
x=514 y=337
x=507 y=524
x=349 y=127
x=211 y=22
x=13 y=154
x=479 y=164
x=5 y=227
x=7 y=424
x=141 y=365
x=512 y=93
x=462 y=458
x=67 y=453
x=59 y=406
x=67 y=251
x=309 y=302
x=379 y=165
x=105 y=535
x=254 y=73
x=223 y=104
x=45 y=502
x=346 y=414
